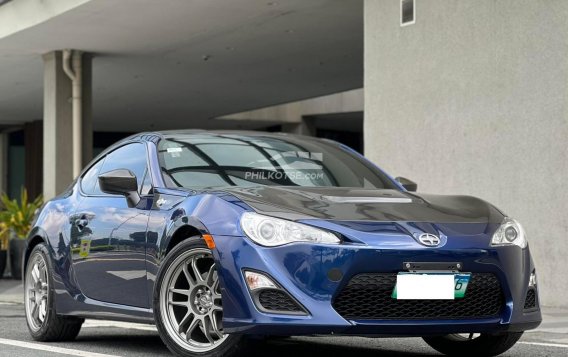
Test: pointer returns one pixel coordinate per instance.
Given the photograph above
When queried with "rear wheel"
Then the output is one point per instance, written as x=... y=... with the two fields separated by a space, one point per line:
x=188 y=305
x=43 y=322
x=473 y=344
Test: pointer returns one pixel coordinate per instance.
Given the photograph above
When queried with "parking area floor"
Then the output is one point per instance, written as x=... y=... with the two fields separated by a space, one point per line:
x=107 y=338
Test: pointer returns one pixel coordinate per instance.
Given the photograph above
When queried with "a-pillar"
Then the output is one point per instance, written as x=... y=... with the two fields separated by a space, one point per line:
x=58 y=122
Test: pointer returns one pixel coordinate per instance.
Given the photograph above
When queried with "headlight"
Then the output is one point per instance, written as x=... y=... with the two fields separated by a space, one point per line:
x=509 y=233
x=270 y=231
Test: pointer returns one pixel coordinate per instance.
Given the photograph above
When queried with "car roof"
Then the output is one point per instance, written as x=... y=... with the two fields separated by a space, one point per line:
x=188 y=133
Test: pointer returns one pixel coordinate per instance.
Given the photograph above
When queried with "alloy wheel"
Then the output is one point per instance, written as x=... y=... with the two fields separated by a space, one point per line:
x=36 y=293
x=190 y=301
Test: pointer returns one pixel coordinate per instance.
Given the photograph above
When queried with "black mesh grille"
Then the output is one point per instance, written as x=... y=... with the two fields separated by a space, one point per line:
x=275 y=300
x=530 y=300
x=368 y=297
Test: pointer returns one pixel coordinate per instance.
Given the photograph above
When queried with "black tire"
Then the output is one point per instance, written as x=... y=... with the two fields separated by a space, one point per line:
x=233 y=345
x=484 y=345
x=54 y=327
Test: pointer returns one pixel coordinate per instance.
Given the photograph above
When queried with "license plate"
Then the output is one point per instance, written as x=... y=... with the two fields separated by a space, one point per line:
x=430 y=286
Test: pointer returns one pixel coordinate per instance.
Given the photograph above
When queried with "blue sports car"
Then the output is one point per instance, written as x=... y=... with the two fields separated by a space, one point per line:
x=220 y=237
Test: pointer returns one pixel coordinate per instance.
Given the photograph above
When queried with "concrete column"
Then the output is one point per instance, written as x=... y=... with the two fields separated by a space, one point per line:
x=305 y=127
x=57 y=123
x=87 y=108
x=3 y=162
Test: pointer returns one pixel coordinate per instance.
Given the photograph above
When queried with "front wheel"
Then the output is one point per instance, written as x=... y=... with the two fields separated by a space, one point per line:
x=473 y=344
x=188 y=305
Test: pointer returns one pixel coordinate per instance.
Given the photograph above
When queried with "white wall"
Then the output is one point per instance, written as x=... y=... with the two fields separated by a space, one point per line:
x=473 y=99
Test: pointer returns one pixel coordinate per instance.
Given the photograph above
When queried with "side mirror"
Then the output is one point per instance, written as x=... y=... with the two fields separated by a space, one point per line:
x=407 y=184
x=120 y=182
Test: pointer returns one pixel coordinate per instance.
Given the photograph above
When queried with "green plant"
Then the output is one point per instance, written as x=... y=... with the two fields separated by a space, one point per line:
x=18 y=216
x=3 y=236
x=3 y=229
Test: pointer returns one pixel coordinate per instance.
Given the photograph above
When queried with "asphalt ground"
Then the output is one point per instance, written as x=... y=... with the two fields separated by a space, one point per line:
x=107 y=338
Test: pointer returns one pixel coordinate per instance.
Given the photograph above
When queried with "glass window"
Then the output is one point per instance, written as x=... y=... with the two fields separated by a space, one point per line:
x=179 y=155
x=89 y=182
x=217 y=160
x=131 y=157
x=199 y=179
x=249 y=156
x=406 y=12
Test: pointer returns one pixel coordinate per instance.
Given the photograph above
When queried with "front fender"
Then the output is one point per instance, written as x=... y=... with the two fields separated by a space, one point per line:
x=181 y=222
x=202 y=213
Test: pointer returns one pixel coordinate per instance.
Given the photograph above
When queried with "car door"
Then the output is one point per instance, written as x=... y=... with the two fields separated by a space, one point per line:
x=109 y=237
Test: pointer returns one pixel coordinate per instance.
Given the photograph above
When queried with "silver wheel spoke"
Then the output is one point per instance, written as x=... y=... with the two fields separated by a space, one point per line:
x=35 y=273
x=35 y=311
x=188 y=276
x=180 y=291
x=185 y=320
x=191 y=327
x=42 y=311
x=198 y=277
x=178 y=303
x=215 y=325
x=207 y=329
x=215 y=287
x=210 y=279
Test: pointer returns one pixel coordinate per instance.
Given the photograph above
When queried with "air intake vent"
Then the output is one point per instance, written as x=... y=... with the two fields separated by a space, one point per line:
x=278 y=302
x=368 y=297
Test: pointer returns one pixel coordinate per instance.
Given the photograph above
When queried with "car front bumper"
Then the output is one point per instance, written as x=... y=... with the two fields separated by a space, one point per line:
x=302 y=270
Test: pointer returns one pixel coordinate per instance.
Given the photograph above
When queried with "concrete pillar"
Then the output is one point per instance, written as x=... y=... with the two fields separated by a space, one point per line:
x=305 y=127
x=87 y=65
x=57 y=123
x=3 y=162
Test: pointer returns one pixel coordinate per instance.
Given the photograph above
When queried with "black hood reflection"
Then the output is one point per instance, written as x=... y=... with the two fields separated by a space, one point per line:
x=355 y=204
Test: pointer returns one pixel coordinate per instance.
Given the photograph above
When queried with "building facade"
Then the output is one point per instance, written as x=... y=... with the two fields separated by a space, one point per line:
x=473 y=99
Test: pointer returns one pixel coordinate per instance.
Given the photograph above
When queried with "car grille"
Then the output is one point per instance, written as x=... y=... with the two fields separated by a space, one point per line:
x=530 y=300
x=368 y=297
x=278 y=301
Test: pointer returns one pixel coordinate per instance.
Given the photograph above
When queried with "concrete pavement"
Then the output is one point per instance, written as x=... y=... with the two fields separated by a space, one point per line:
x=11 y=291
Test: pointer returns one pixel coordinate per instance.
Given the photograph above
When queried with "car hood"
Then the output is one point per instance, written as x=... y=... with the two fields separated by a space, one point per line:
x=356 y=204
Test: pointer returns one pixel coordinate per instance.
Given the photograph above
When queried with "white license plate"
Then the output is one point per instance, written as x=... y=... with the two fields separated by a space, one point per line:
x=425 y=287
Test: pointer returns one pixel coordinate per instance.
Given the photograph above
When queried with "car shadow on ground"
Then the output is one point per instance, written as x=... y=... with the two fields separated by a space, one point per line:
x=341 y=346
x=278 y=347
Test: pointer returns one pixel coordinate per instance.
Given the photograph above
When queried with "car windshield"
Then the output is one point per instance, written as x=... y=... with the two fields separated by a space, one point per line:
x=218 y=160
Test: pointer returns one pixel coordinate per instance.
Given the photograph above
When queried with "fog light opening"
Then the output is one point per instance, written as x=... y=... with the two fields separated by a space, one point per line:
x=257 y=281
